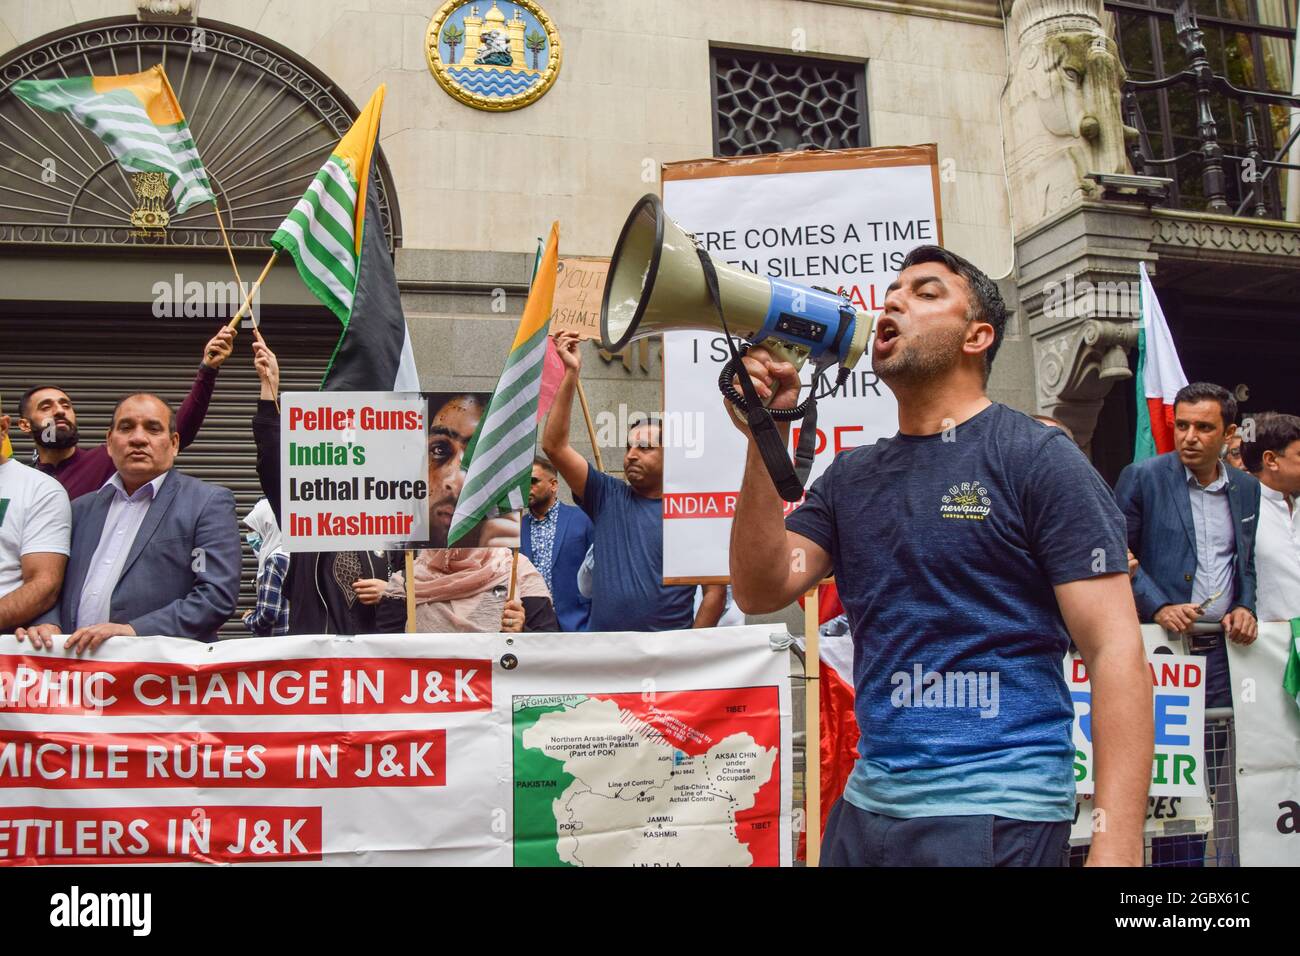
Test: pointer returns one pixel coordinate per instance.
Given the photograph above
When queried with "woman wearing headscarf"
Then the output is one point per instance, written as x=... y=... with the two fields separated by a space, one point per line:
x=270 y=615
x=464 y=590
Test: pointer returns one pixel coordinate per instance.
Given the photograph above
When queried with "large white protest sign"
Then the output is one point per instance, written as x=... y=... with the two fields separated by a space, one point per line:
x=354 y=470
x=1267 y=723
x=1174 y=807
x=842 y=219
x=1178 y=684
x=463 y=749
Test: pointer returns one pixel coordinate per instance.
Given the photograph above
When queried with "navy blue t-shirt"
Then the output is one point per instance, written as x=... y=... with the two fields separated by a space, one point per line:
x=946 y=549
x=627 y=592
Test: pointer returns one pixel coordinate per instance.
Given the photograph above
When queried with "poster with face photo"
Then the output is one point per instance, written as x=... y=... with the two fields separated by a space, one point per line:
x=453 y=417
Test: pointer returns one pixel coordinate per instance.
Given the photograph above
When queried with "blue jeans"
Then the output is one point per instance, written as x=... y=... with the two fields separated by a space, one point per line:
x=856 y=837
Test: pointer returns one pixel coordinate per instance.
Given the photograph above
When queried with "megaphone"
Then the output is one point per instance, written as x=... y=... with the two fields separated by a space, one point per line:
x=657 y=283
x=660 y=280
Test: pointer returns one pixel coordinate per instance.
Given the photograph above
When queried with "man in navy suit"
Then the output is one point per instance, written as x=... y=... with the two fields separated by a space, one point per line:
x=153 y=551
x=555 y=537
x=1191 y=525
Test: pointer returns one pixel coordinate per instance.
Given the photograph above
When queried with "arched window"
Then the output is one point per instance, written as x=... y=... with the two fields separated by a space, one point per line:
x=263 y=120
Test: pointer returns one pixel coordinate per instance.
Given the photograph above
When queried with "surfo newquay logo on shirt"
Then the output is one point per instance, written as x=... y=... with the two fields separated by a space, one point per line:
x=969 y=500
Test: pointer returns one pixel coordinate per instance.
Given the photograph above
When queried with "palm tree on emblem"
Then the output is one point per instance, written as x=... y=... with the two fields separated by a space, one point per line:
x=452 y=36
x=536 y=43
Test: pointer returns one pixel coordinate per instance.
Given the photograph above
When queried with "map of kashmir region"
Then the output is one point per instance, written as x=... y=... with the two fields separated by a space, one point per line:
x=678 y=778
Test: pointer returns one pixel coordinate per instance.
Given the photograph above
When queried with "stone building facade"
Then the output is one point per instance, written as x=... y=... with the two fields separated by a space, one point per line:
x=1022 y=98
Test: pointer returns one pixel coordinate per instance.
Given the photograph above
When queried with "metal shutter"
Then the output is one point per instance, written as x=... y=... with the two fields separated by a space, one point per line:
x=99 y=358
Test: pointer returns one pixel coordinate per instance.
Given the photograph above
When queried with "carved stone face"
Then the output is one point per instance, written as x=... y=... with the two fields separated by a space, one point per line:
x=1077 y=78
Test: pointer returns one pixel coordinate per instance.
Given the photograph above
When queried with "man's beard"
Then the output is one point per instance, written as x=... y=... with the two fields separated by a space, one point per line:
x=640 y=480
x=65 y=439
x=925 y=359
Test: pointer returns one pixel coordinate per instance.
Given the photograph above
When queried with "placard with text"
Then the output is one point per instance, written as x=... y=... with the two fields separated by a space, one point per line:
x=354 y=470
x=839 y=219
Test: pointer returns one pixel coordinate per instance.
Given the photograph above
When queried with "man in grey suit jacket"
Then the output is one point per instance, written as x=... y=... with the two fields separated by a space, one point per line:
x=153 y=551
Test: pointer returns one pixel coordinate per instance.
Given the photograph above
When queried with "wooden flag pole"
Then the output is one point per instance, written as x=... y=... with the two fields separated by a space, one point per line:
x=812 y=748
x=410 y=592
x=216 y=208
x=514 y=573
x=591 y=429
x=233 y=324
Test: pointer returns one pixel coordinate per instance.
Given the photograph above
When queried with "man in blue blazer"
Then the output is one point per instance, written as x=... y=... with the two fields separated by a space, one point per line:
x=1191 y=525
x=153 y=551
x=555 y=537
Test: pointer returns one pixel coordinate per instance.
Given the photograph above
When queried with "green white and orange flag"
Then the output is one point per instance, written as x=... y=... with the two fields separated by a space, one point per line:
x=336 y=239
x=499 y=458
x=138 y=118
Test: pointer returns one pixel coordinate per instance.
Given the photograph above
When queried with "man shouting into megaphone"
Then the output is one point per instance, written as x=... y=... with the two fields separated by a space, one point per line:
x=968 y=550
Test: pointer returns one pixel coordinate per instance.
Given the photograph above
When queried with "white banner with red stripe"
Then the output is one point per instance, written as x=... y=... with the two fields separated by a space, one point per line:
x=465 y=749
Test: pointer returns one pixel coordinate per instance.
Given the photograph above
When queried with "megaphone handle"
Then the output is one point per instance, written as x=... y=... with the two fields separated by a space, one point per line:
x=788 y=480
x=735 y=368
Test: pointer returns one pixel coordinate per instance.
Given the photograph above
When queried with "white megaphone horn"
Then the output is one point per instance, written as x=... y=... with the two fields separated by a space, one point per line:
x=660 y=281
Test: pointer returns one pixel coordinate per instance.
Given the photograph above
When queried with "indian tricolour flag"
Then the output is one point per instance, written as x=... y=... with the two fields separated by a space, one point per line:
x=138 y=118
x=1159 y=376
x=499 y=458
x=336 y=239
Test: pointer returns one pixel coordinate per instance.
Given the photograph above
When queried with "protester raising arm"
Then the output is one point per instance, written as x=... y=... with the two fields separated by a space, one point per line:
x=189 y=417
x=266 y=426
x=555 y=435
x=770 y=566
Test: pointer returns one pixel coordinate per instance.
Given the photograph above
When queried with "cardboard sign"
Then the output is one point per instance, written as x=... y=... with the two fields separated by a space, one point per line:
x=579 y=288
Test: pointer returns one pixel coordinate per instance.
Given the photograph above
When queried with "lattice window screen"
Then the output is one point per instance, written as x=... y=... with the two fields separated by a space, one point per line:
x=766 y=103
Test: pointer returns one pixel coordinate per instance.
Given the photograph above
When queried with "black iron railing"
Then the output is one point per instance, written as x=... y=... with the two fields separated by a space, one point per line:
x=1255 y=165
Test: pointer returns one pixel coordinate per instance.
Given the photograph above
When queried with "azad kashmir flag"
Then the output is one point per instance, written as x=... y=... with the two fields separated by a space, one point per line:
x=336 y=239
x=499 y=458
x=1159 y=376
x=552 y=366
x=138 y=118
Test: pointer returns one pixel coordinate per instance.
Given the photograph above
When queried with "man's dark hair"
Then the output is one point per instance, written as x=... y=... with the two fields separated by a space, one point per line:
x=446 y=398
x=986 y=303
x=1209 y=392
x=640 y=420
x=1274 y=432
x=171 y=412
x=27 y=396
x=544 y=463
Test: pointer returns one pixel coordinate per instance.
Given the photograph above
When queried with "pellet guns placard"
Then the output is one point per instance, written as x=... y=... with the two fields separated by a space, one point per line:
x=354 y=470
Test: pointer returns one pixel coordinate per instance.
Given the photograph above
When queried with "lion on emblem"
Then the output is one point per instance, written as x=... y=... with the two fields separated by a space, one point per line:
x=495 y=50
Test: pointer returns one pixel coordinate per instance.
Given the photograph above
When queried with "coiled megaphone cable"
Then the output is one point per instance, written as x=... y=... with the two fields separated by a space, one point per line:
x=789 y=478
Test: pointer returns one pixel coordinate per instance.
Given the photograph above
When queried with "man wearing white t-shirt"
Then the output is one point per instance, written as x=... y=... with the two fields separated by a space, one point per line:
x=35 y=532
x=1274 y=458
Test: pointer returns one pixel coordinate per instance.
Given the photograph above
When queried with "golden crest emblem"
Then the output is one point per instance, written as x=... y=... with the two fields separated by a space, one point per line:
x=152 y=191
x=504 y=59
